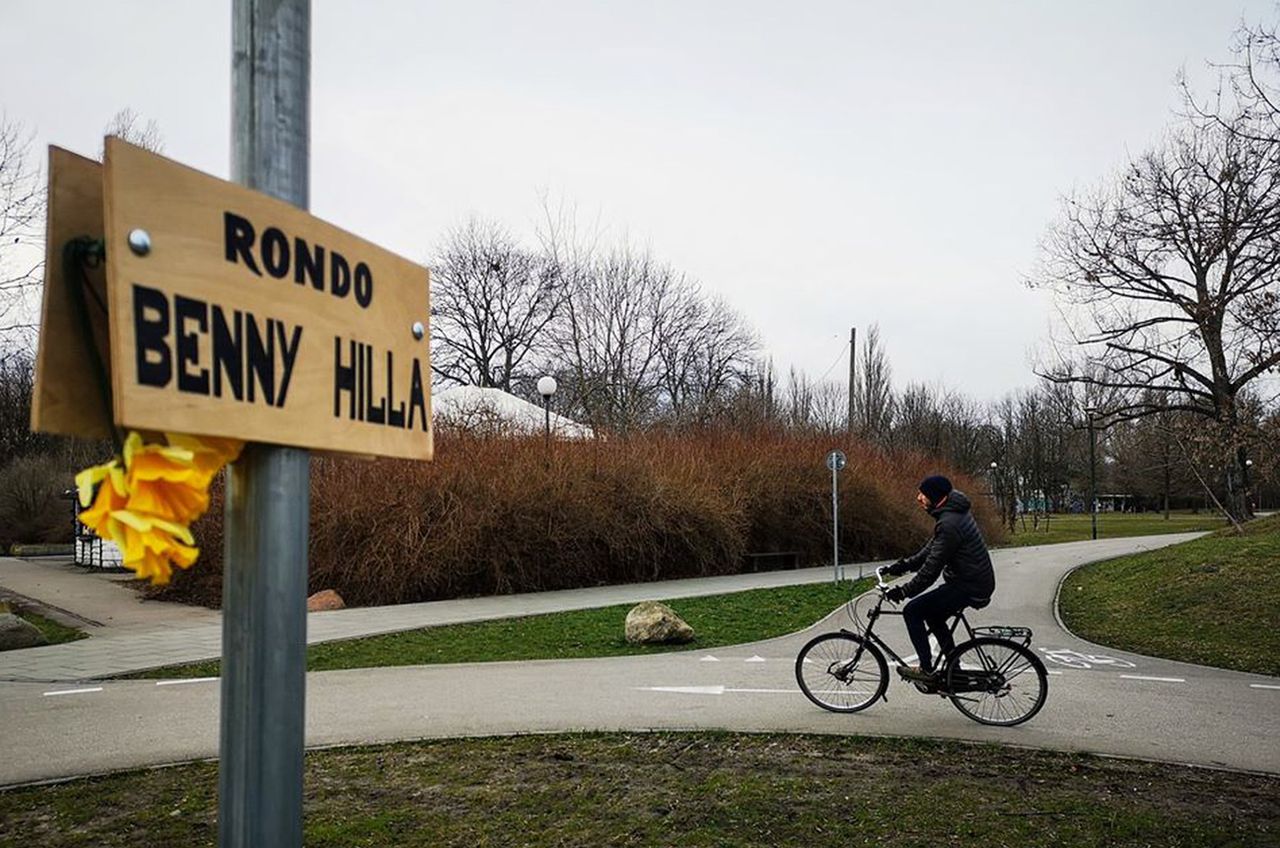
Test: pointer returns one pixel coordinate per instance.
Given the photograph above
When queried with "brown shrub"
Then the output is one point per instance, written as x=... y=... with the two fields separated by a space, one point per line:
x=502 y=515
x=32 y=508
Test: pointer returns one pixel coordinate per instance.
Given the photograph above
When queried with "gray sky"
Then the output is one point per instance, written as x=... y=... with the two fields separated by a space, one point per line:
x=820 y=165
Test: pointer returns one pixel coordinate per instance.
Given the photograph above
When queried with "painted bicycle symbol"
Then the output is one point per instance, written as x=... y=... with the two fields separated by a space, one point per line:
x=1075 y=659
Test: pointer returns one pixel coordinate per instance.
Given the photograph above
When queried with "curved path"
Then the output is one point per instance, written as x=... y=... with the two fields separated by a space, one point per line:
x=1100 y=700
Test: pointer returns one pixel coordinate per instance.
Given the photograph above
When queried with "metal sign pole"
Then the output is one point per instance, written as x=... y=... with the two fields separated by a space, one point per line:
x=264 y=624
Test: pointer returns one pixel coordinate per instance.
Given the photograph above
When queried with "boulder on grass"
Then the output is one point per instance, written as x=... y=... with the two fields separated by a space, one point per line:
x=16 y=633
x=326 y=599
x=652 y=623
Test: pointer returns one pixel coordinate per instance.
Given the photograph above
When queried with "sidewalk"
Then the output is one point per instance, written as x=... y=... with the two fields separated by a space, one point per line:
x=173 y=634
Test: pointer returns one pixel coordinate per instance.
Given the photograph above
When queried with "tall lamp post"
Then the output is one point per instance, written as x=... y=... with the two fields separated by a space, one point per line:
x=1091 y=411
x=547 y=388
x=1248 y=479
x=995 y=489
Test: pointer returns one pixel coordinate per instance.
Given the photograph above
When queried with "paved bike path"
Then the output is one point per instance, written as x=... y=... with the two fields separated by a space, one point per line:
x=1155 y=709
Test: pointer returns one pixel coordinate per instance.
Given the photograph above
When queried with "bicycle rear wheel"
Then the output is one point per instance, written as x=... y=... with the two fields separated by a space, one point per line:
x=997 y=682
x=841 y=672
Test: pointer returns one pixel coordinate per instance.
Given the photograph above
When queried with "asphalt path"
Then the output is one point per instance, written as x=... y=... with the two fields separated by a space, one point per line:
x=1100 y=700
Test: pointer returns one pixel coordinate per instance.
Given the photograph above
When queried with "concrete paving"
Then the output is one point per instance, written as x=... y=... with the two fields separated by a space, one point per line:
x=151 y=634
x=1100 y=700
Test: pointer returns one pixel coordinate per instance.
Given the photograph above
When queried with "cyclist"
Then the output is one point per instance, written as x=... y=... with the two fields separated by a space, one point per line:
x=958 y=552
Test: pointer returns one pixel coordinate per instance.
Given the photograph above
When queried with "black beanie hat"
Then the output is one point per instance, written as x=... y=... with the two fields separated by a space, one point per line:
x=935 y=488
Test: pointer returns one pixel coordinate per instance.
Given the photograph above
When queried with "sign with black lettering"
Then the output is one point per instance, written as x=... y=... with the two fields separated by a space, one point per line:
x=236 y=314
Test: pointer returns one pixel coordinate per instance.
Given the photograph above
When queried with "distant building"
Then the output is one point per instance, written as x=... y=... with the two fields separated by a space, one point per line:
x=493 y=411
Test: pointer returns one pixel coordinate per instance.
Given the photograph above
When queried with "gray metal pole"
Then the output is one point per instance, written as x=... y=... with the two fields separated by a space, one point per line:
x=264 y=624
x=1093 y=482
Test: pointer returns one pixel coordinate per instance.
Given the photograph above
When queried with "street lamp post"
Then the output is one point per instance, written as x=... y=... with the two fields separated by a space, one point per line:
x=1093 y=476
x=1248 y=480
x=547 y=388
x=995 y=488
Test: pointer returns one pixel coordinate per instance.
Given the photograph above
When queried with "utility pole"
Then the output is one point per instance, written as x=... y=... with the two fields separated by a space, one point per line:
x=853 y=373
x=264 y=624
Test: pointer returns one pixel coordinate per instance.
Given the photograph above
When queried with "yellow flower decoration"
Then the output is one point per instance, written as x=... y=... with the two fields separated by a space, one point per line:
x=146 y=499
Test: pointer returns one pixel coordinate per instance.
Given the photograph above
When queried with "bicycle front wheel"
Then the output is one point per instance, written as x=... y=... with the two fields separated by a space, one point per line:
x=995 y=681
x=841 y=672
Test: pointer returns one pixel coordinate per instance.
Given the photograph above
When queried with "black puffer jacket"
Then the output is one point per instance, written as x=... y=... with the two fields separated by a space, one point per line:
x=957 y=550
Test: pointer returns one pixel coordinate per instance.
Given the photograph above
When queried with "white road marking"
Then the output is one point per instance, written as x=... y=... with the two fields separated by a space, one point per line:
x=73 y=691
x=709 y=658
x=1051 y=671
x=1262 y=686
x=685 y=690
x=756 y=658
x=766 y=691
x=714 y=690
x=186 y=680
x=1075 y=659
x=1156 y=679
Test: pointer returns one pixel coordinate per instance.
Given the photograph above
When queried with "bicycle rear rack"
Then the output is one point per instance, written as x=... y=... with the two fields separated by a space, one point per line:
x=1003 y=631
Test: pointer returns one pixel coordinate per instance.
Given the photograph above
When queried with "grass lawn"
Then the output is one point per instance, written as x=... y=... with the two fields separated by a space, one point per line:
x=1214 y=601
x=729 y=619
x=702 y=789
x=53 y=631
x=1111 y=525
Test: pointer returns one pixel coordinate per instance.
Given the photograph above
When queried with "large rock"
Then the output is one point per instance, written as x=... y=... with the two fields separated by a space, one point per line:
x=326 y=599
x=651 y=623
x=16 y=633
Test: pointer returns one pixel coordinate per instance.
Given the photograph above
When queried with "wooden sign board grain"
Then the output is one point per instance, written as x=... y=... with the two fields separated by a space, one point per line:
x=251 y=319
x=67 y=397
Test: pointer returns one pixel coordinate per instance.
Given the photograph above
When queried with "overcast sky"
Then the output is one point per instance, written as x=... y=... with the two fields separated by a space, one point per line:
x=820 y=165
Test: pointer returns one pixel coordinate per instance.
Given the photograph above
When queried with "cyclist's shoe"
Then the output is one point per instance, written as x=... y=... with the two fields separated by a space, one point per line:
x=915 y=674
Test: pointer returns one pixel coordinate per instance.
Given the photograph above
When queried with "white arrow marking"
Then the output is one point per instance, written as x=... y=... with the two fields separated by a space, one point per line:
x=764 y=691
x=73 y=691
x=708 y=658
x=685 y=690
x=1156 y=679
x=756 y=658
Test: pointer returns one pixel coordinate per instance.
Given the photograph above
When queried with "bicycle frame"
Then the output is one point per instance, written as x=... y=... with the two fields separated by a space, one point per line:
x=870 y=635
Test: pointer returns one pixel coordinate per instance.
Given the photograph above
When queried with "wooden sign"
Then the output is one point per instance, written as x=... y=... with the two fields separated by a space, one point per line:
x=68 y=398
x=236 y=314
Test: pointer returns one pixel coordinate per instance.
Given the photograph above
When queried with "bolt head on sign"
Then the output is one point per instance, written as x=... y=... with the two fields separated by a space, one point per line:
x=836 y=460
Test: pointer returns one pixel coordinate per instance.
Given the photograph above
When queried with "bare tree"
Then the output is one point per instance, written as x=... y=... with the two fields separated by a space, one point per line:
x=873 y=401
x=704 y=353
x=22 y=201
x=1172 y=276
x=608 y=340
x=127 y=125
x=492 y=301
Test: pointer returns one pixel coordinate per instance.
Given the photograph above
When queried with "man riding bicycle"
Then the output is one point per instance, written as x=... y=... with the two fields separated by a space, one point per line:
x=958 y=552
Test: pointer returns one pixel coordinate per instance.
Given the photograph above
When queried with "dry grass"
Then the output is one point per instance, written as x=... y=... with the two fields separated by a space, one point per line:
x=503 y=515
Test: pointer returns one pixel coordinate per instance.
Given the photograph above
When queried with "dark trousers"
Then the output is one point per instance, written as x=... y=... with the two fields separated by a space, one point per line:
x=930 y=611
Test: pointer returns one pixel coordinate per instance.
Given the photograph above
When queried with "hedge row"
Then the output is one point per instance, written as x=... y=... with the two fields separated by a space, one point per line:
x=506 y=515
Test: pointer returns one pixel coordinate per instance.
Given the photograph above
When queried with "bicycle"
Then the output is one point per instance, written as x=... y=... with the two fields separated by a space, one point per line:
x=986 y=677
